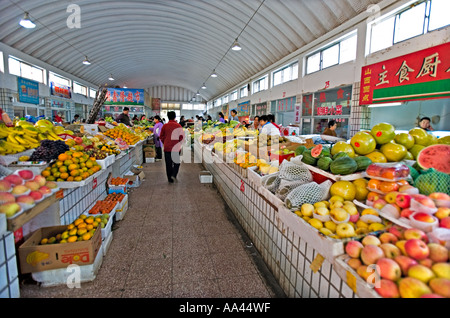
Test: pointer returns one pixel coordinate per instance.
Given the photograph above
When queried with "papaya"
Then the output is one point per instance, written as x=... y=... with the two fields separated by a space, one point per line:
x=324 y=163
x=362 y=162
x=340 y=154
x=343 y=166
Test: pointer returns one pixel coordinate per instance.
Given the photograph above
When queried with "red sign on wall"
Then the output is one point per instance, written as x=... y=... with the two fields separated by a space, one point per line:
x=420 y=75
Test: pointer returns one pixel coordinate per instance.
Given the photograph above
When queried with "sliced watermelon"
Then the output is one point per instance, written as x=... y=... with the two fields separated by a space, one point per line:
x=316 y=151
x=435 y=156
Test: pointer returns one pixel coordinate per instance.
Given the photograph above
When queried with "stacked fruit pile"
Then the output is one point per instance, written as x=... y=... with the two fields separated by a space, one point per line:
x=402 y=263
x=49 y=150
x=123 y=133
x=245 y=160
x=82 y=229
x=115 y=197
x=22 y=190
x=71 y=166
x=102 y=207
x=118 y=181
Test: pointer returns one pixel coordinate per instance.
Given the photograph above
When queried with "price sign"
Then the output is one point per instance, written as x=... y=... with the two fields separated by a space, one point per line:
x=316 y=264
x=18 y=235
x=94 y=183
x=242 y=186
x=59 y=194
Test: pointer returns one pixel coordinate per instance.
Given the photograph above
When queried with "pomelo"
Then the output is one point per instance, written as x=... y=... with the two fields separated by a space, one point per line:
x=404 y=139
x=383 y=133
x=377 y=157
x=363 y=143
x=414 y=150
x=342 y=146
x=393 y=152
x=420 y=136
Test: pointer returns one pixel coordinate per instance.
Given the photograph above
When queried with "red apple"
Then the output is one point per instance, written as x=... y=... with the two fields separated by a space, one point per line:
x=403 y=200
x=371 y=240
x=371 y=254
x=78 y=140
x=390 y=250
x=14 y=179
x=389 y=269
x=424 y=217
x=388 y=237
x=26 y=174
x=405 y=213
x=424 y=200
x=413 y=233
x=36 y=195
x=5 y=186
x=405 y=263
x=397 y=231
x=379 y=204
x=417 y=249
x=374 y=170
x=387 y=289
x=354 y=263
x=445 y=222
x=354 y=248
x=438 y=253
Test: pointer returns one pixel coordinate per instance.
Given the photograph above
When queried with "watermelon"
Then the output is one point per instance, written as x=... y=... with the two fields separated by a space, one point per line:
x=340 y=154
x=435 y=156
x=315 y=152
x=308 y=158
x=343 y=165
x=300 y=150
x=324 y=163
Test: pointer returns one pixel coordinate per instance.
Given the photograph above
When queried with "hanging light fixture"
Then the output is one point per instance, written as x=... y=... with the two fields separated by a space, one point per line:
x=204 y=86
x=236 y=46
x=26 y=22
x=214 y=74
x=86 y=61
x=111 y=78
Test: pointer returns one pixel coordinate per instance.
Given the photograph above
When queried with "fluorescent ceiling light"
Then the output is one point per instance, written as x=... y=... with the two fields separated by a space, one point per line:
x=236 y=46
x=204 y=86
x=26 y=22
x=86 y=61
x=214 y=74
x=111 y=78
x=386 y=104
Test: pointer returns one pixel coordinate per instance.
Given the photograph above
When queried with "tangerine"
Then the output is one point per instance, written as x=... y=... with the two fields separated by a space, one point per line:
x=63 y=157
x=64 y=175
x=46 y=173
x=72 y=238
x=374 y=184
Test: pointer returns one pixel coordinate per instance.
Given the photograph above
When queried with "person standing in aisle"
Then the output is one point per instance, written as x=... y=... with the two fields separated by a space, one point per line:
x=234 y=115
x=182 y=121
x=124 y=118
x=156 y=137
x=331 y=129
x=424 y=123
x=76 y=118
x=267 y=128
x=172 y=135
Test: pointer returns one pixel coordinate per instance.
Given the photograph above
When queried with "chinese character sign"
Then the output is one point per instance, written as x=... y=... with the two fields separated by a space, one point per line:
x=124 y=96
x=286 y=104
x=420 y=75
x=60 y=90
x=28 y=90
x=331 y=102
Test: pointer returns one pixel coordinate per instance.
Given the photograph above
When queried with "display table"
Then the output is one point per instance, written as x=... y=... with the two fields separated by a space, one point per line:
x=302 y=269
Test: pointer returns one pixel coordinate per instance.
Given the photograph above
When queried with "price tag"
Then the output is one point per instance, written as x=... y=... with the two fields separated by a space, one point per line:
x=242 y=186
x=317 y=263
x=351 y=281
x=18 y=235
x=94 y=183
x=59 y=194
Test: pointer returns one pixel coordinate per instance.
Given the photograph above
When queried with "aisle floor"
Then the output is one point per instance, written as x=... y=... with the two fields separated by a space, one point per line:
x=176 y=240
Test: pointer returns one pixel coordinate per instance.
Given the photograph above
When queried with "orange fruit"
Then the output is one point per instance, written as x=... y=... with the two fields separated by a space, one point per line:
x=45 y=173
x=79 y=178
x=68 y=162
x=77 y=221
x=72 y=238
x=374 y=184
x=81 y=225
x=74 y=173
x=63 y=169
x=86 y=236
x=70 y=178
x=72 y=167
x=64 y=175
x=63 y=157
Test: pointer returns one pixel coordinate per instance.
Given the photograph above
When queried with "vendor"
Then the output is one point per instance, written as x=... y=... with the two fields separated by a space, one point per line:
x=331 y=129
x=76 y=118
x=256 y=123
x=424 y=123
x=267 y=128
x=234 y=115
x=221 y=117
x=272 y=121
x=124 y=118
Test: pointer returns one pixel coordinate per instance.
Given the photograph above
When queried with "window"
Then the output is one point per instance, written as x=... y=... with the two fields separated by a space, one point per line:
x=285 y=74
x=243 y=91
x=341 y=51
x=225 y=99
x=170 y=106
x=79 y=89
x=260 y=84
x=58 y=79
x=234 y=95
x=187 y=106
x=92 y=93
x=2 y=67
x=218 y=102
x=413 y=19
x=20 y=68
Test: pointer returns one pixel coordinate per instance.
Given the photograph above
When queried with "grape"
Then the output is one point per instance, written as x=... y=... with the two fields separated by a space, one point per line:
x=49 y=150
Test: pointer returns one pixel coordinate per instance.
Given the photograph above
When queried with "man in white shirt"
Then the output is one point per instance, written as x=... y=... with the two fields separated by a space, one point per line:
x=267 y=128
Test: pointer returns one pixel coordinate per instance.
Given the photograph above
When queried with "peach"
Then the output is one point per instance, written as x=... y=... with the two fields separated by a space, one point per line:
x=371 y=254
x=390 y=250
x=389 y=269
x=14 y=179
x=405 y=263
x=26 y=174
x=387 y=289
x=354 y=248
x=5 y=185
x=438 y=253
x=6 y=197
x=417 y=249
x=387 y=237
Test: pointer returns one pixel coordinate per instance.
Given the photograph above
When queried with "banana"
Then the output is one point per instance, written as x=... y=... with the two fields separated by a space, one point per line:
x=41 y=136
x=21 y=140
x=53 y=135
x=11 y=139
x=3 y=134
x=32 y=132
x=31 y=139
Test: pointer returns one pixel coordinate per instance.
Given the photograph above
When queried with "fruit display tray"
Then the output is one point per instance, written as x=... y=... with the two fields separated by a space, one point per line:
x=105 y=163
x=76 y=184
x=353 y=280
x=383 y=215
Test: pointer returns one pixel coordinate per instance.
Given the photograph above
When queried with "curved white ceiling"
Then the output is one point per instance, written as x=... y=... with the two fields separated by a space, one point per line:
x=174 y=43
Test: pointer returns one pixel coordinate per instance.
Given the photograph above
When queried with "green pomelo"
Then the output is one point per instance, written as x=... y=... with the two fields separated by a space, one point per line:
x=383 y=133
x=404 y=139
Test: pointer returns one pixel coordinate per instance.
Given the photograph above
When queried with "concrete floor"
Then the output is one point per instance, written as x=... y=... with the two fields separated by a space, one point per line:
x=176 y=241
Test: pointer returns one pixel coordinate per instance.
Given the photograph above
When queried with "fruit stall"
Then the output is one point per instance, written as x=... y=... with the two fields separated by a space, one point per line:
x=367 y=217
x=62 y=186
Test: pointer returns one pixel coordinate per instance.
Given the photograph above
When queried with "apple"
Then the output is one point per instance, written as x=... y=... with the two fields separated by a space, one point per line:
x=370 y=254
x=440 y=286
x=413 y=233
x=439 y=196
x=424 y=217
x=5 y=185
x=426 y=262
x=19 y=189
x=45 y=190
x=388 y=237
x=401 y=245
x=322 y=211
x=397 y=231
x=14 y=179
x=424 y=200
x=26 y=174
x=405 y=263
x=387 y=289
x=410 y=287
x=441 y=270
x=431 y=296
x=353 y=248
x=354 y=263
x=307 y=209
x=379 y=204
x=9 y=209
x=51 y=184
x=390 y=250
x=417 y=249
x=36 y=195
x=345 y=230
x=25 y=199
x=40 y=180
x=438 y=253
x=371 y=240
x=421 y=272
x=403 y=200
x=366 y=273
x=445 y=222
x=374 y=170
x=405 y=213
x=391 y=197
x=373 y=196
x=78 y=140
x=442 y=212
x=6 y=197
x=389 y=269
x=32 y=185
x=408 y=189
x=340 y=214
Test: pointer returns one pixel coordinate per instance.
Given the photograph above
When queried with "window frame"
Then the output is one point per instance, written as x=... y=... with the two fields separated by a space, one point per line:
x=53 y=74
x=281 y=70
x=258 y=82
x=32 y=66
x=245 y=89
x=74 y=84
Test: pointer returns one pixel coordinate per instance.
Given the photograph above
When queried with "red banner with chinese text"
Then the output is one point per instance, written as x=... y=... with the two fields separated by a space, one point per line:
x=420 y=75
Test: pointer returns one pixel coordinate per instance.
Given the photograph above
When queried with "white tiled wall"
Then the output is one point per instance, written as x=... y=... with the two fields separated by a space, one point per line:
x=9 y=280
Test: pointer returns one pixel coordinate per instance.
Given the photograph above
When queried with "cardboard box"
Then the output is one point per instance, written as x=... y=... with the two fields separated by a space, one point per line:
x=150 y=154
x=90 y=129
x=54 y=256
x=135 y=179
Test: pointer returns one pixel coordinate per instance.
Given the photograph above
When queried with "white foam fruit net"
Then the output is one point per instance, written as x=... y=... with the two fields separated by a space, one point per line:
x=310 y=192
x=286 y=186
x=271 y=181
x=295 y=171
